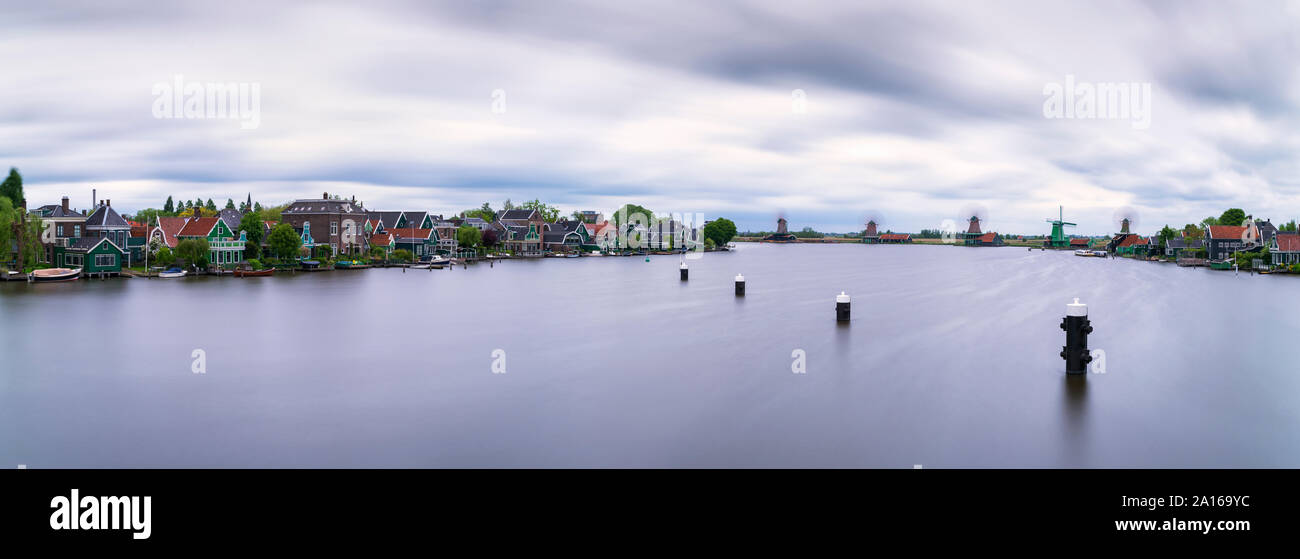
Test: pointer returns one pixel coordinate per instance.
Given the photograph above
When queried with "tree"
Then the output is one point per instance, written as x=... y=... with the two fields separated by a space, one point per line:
x=165 y=257
x=1289 y=227
x=1191 y=231
x=468 y=236
x=147 y=216
x=1233 y=216
x=169 y=207
x=1166 y=234
x=549 y=213
x=194 y=252
x=720 y=231
x=210 y=206
x=402 y=255
x=251 y=225
x=628 y=214
x=230 y=204
x=284 y=241
x=257 y=207
x=12 y=187
x=490 y=238
x=483 y=212
x=508 y=205
x=8 y=216
x=1210 y=221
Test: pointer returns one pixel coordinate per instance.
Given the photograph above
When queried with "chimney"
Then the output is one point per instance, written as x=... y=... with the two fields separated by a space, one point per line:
x=325 y=196
x=94 y=200
x=108 y=203
x=65 y=204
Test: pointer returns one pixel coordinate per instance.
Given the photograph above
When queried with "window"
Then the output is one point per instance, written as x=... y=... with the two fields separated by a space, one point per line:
x=76 y=231
x=105 y=260
x=334 y=228
x=60 y=230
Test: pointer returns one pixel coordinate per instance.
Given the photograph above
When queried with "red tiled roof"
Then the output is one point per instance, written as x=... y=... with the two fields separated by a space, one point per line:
x=381 y=239
x=895 y=237
x=199 y=227
x=1132 y=240
x=1080 y=242
x=170 y=227
x=411 y=233
x=139 y=229
x=1288 y=242
x=1226 y=231
x=987 y=237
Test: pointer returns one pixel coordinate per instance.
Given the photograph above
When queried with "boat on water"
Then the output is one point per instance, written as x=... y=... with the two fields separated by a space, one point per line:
x=50 y=275
x=172 y=273
x=574 y=255
x=310 y=265
x=351 y=265
x=1221 y=265
x=1081 y=252
x=250 y=273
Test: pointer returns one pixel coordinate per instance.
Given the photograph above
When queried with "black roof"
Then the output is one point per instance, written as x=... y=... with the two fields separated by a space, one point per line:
x=323 y=206
x=87 y=243
x=232 y=218
x=521 y=215
x=105 y=217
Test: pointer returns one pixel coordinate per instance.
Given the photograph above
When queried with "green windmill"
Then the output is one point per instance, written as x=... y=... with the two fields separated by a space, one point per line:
x=1058 y=230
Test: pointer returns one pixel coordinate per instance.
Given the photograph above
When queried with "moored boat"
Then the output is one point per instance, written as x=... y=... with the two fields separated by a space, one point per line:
x=172 y=273
x=50 y=275
x=1221 y=265
x=350 y=265
x=244 y=273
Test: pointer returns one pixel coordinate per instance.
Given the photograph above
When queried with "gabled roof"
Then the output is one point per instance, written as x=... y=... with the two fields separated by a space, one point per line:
x=1080 y=242
x=518 y=215
x=904 y=237
x=232 y=218
x=381 y=239
x=1226 y=231
x=415 y=219
x=988 y=238
x=1287 y=242
x=410 y=233
x=87 y=244
x=56 y=211
x=105 y=217
x=1181 y=242
x=1133 y=240
x=198 y=227
x=170 y=227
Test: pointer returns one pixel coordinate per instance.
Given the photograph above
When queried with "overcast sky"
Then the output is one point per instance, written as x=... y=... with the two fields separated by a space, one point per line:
x=915 y=112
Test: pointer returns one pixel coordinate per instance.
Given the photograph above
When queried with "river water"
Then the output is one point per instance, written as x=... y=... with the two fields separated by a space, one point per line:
x=951 y=360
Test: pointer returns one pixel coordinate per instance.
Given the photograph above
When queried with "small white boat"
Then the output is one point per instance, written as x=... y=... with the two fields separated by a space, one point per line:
x=172 y=273
x=1082 y=252
x=50 y=275
x=1099 y=253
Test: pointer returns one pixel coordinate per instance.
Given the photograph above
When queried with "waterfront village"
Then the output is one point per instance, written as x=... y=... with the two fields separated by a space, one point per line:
x=57 y=242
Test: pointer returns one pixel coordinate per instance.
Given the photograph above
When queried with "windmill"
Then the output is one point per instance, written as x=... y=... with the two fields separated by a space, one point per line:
x=1059 y=224
x=973 y=215
x=874 y=220
x=1126 y=219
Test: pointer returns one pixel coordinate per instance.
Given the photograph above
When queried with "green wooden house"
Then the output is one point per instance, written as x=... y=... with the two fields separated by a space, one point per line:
x=93 y=255
x=224 y=247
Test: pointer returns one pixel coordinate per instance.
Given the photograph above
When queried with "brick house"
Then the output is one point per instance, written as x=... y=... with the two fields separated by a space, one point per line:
x=334 y=223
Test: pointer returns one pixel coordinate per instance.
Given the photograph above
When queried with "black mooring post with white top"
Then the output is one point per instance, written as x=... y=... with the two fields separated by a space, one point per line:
x=842 y=307
x=685 y=272
x=740 y=285
x=1077 y=327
